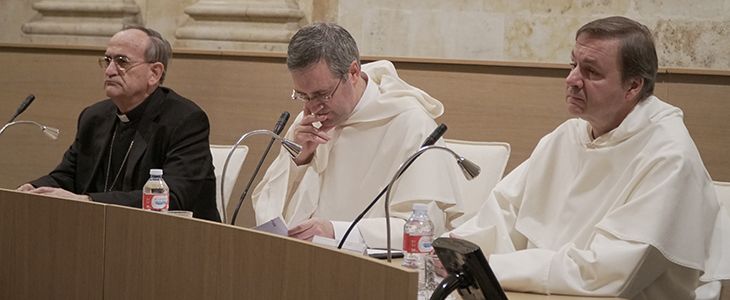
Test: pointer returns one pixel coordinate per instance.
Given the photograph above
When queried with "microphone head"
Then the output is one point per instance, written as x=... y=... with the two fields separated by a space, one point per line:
x=439 y=131
x=435 y=135
x=23 y=106
x=470 y=169
x=51 y=132
x=29 y=99
x=281 y=122
x=293 y=148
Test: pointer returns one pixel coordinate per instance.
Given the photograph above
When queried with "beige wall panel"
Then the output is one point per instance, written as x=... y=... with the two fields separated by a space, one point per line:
x=706 y=106
x=488 y=103
x=239 y=94
x=64 y=82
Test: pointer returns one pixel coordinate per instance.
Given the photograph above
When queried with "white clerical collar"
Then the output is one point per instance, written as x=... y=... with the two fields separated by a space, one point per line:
x=123 y=118
x=371 y=92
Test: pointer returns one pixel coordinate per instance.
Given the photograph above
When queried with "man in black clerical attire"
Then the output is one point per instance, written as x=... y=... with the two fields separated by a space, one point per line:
x=142 y=126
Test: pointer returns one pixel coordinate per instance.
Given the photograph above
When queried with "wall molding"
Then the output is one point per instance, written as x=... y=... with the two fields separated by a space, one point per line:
x=82 y=18
x=269 y=24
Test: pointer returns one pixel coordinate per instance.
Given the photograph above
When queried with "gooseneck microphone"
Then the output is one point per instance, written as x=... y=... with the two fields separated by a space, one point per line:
x=48 y=131
x=468 y=168
x=23 y=106
x=430 y=140
x=278 y=128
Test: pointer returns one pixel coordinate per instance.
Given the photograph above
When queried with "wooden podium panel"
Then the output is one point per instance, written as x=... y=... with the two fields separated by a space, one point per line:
x=155 y=256
x=63 y=249
x=50 y=248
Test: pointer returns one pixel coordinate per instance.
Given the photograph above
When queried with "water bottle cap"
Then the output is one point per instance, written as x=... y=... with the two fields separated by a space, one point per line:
x=420 y=207
x=156 y=172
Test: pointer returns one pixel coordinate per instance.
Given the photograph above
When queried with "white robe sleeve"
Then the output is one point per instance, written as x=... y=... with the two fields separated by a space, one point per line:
x=270 y=196
x=717 y=265
x=492 y=229
x=602 y=270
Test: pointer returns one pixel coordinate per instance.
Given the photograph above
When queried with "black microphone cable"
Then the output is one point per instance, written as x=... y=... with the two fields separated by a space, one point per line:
x=278 y=128
x=430 y=140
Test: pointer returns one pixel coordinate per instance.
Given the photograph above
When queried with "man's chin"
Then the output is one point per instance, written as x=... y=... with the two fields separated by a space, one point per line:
x=111 y=91
x=575 y=110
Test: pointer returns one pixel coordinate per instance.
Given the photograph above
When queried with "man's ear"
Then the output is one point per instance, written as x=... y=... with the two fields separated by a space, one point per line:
x=634 y=87
x=157 y=69
x=354 y=69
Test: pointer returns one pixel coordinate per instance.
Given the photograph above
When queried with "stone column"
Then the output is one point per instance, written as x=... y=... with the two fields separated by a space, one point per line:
x=263 y=25
x=91 y=18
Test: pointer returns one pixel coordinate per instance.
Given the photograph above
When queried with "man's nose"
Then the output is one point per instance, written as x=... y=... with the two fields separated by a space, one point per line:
x=314 y=106
x=574 y=79
x=111 y=69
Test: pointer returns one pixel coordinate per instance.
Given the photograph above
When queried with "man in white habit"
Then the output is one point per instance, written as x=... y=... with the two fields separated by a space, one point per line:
x=615 y=202
x=358 y=124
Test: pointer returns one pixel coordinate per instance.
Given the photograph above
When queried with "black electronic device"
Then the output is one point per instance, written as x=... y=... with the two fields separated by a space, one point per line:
x=384 y=255
x=468 y=271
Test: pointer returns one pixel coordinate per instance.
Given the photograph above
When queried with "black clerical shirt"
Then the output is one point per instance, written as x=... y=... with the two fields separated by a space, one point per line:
x=110 y=174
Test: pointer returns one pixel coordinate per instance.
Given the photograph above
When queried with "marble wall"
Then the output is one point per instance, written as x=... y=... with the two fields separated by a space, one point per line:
x=694 y=34
x=250 y=25
x=689 y=34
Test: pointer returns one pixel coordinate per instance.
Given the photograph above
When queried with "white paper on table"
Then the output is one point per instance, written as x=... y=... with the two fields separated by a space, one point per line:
x=275 y=226
x=373 y=251
x=350 y=246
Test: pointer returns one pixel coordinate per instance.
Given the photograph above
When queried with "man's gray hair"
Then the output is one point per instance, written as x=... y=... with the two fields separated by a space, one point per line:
x=159 y=49
x=637 y=51
x=320 y=41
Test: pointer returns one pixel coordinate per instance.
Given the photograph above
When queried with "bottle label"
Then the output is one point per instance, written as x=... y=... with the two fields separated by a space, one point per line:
x=416 y=243
x=155 y=202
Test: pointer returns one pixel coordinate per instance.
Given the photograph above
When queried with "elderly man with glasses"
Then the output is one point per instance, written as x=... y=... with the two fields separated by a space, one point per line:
x=357 y=125
x=141 y=126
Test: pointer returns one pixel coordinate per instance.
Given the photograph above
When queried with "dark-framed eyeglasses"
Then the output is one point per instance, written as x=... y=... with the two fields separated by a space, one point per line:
x=296 y=96
x=122 y=63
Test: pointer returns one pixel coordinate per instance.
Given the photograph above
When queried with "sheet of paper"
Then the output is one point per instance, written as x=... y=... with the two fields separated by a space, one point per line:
x=275 y=226
x=351 y=246
x=373 y=251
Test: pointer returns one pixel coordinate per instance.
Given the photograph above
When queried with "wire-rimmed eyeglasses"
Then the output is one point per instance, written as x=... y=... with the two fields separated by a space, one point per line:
x=296 y=96
x=121 y=62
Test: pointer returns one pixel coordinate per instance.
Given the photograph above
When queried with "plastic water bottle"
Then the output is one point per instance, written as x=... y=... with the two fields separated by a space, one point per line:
x=417 y=236
x=156 y=194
